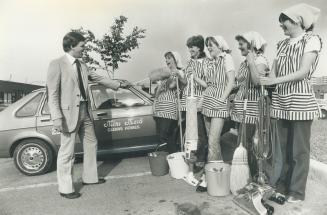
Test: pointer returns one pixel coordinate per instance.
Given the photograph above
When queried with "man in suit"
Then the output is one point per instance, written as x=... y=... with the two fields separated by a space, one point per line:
x=67 y=83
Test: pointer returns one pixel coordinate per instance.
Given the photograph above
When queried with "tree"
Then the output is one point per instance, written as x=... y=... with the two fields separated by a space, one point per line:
x=90 y=48
x=113 y=48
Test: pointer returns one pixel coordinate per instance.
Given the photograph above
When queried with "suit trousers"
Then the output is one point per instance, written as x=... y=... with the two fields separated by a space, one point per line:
x=65 y=160
x=292 y=157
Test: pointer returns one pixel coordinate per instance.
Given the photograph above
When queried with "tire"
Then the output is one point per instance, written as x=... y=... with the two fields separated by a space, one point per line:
x=33 y=157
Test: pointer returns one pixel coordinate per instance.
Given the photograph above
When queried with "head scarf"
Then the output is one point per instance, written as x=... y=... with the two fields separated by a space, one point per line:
x=303 y=13
x=221 y=42
x=254 y=38
x=178 y=59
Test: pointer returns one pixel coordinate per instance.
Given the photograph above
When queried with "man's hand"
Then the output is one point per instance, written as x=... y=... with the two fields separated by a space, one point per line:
x=57 y=125
x=125 y=84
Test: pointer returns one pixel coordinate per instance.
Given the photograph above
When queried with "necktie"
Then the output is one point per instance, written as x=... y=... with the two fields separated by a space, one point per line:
x=80 y=80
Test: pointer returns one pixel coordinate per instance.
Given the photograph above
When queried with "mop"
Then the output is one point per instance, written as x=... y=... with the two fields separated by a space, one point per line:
x=191 y=133
x=179 y=114
x=240 y=172
x=159 y=74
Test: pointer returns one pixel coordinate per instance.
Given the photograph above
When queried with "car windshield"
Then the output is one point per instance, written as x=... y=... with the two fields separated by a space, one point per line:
x=105 y=98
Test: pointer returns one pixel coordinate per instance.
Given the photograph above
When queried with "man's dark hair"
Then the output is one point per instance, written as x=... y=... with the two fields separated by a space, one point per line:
x=71 y=39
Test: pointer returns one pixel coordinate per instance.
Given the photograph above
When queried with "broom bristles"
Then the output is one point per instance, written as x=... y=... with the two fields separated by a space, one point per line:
x=240 y=172
x=239 y=176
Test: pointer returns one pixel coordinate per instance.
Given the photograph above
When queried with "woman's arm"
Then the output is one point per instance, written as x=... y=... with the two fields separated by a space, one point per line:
x=256 y=71
x=200 y=82
x=305 y=65
x=230 y=84
x=178 y=76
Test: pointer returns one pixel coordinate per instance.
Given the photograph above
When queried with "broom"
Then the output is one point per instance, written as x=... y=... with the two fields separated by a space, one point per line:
x=240 y=172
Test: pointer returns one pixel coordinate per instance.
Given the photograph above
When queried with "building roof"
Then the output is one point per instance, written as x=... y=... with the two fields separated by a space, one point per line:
x=8 y=86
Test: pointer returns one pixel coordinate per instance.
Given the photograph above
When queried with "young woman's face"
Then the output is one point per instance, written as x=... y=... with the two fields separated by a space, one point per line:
x=243 y=47
x=288 y=27
x=213 y=49
x=194 y=51
x=170 y=61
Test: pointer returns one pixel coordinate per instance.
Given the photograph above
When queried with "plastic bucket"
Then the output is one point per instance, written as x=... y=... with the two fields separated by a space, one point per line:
x=217 y=176
x=158 y=163
x=178 y=166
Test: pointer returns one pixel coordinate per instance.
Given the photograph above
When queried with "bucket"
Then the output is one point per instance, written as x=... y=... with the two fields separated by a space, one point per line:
x=217 y=176
x=158 y=163
x=178 y=166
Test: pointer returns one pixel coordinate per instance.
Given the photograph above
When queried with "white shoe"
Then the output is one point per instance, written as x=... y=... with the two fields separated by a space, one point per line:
x=292 y=199
x=189 y=178
x=203 y=181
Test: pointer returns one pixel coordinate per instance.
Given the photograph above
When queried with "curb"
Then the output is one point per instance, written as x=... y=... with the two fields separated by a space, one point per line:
x=318 y=170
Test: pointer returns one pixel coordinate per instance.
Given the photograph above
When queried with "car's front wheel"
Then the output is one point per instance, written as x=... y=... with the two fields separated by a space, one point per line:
x=33 y=157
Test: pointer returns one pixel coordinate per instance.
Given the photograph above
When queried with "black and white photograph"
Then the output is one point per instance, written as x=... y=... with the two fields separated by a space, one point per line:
x=176 y=107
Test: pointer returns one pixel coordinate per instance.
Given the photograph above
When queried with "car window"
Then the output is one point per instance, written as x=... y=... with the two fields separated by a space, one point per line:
x=105 y=98
x=45 y=109
x=30 y=108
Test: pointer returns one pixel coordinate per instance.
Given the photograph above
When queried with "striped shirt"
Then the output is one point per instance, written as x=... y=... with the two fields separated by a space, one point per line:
x=199 y=68
x=294 y=100
x=253 y=94
x=165 y=104
x=217 y=79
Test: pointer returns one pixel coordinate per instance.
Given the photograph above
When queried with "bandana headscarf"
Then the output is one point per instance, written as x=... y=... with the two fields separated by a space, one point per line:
x=254 y=38
x=178 y=59
x=303 y=13
x=221 y=42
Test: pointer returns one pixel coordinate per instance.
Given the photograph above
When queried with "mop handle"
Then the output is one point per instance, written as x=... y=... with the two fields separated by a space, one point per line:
x=243 y=132
x=179 y=114
x=192 y=85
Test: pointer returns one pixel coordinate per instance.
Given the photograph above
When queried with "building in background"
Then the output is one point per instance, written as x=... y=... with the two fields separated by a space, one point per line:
x=12 y=91
x=320 y=87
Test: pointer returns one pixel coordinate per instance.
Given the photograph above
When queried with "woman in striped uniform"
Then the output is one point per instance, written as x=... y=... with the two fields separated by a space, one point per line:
x=197 y=66
x=165 y=105
x=251 y=45
x=293 y=101
x=220 y=81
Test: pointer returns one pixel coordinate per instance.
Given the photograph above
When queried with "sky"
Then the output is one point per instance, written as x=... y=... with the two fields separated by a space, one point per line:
x=31 y=31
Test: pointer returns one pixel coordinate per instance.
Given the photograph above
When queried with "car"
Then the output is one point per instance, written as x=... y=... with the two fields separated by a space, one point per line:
x=123 y=122
x=322 y=104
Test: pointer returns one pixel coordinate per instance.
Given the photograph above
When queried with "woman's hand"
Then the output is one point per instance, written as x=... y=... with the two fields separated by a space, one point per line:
x=250 y=57
x=267 y=81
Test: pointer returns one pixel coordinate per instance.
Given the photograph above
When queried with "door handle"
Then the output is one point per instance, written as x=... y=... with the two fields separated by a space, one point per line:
x=102 y=114
x=45 y=120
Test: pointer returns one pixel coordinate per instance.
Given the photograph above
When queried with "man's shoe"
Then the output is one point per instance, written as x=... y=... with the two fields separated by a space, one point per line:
x=73 y=195
x=100 y=181
x=292 y=199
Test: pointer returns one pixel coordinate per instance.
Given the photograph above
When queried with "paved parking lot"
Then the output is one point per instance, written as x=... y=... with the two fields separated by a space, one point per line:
x=130 y=190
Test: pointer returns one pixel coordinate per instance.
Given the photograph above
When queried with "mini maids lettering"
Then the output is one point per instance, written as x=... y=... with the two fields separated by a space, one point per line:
x=129 y=124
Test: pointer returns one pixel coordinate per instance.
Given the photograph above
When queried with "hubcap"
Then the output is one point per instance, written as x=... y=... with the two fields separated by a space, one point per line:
x=32 y=158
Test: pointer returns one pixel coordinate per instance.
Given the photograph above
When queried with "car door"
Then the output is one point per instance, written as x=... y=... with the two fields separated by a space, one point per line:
x=44 y=126
x=122 y=118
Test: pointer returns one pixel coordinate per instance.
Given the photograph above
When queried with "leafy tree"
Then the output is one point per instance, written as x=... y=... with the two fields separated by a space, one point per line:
x=90 y=48
x=113 y=48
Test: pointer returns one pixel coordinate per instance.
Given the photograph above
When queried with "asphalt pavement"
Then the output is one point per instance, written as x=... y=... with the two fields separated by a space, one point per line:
x=130 y=190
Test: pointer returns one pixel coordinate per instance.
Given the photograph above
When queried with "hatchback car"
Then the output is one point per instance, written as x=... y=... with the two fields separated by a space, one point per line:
x=122 y=120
